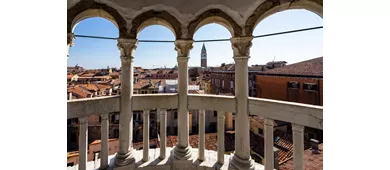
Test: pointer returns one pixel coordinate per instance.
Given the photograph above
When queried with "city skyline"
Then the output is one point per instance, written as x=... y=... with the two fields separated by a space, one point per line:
x=292 y=48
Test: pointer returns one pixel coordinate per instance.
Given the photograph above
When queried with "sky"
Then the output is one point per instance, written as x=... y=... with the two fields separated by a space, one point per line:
x=295 y=47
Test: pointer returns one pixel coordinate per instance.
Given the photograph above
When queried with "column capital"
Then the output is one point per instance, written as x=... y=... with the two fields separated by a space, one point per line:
x=183 y=47
x=104 y=116
x=127 y=46
x=221 y=114
x=70 y=39
x=268 y=122
x=298 y=128
x=146 y=112
x=83 y=120
x=241 y=46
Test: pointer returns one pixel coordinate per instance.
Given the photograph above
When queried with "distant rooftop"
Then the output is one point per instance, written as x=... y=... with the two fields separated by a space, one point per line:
x=312 y=67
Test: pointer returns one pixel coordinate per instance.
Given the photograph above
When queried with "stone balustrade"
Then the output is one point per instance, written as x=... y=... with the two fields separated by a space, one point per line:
x=300 y=115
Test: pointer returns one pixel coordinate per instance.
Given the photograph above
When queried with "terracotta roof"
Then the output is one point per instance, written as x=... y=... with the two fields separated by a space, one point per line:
x=312 y=161
x=99 y=141
x=72 y=154
x=95 y=87
x=284 y=145
x=144 y=83
x=312 y=67
x=79 y=92
x=87 y=75
x=210 y=141
x=69 y=76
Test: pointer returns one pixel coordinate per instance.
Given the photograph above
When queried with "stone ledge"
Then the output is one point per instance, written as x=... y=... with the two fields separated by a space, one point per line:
x=154 y=162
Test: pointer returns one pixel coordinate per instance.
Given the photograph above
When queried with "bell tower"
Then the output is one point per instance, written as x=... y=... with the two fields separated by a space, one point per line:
x=203 y=57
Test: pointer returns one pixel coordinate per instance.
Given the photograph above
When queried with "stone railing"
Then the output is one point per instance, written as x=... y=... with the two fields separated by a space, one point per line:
x=300 y=115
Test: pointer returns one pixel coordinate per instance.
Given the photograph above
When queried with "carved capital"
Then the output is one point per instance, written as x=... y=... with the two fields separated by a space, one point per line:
x=70 y=39
x=183 y=47
x=127 y=46
x=241 y=45
x=104 y=116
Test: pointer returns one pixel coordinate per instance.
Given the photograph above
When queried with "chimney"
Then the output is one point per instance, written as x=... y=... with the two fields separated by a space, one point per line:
x=314 y=146
x=276 y=160
x=70 y=96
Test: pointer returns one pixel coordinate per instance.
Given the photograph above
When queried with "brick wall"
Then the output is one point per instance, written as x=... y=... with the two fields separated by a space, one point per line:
x=275 y=87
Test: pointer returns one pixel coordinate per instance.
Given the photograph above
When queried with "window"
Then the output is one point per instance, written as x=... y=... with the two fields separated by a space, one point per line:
x=116 y=134
x=260 y=131
x=96 y=155
x=311 y=135
x=293 y=85
x=215 y=113
x=223 y=84
x=310 y=87
x=70 y=164
x=175 y=115
x=250 y=83
x=231 y=84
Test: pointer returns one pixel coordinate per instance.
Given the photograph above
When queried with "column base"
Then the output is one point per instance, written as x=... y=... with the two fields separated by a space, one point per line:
x=182 y=153
x=124 y=159
x=237 y=163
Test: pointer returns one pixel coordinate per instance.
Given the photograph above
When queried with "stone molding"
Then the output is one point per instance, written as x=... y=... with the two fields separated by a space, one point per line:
x=241 y=46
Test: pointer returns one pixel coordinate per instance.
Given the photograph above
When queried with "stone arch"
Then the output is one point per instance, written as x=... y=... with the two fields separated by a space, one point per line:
x=270 y=7
x=214 y=16
x=87 y=9
x=153 y=17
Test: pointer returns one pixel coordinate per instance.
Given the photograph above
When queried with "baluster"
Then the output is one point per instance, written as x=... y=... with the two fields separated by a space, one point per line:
x=83 y=149
x=269 y=144
x=104 y=144
x=221 y=137
x=298 y=147
x=201 y=134
x=146 y=135
x=163 y=132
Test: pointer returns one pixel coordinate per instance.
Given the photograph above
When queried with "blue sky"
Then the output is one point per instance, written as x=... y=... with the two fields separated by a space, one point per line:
x=295 y=47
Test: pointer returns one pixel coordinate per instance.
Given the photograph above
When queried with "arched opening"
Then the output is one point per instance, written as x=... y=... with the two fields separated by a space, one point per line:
x=92 y=13
x=287 y=67
x=293 y=47
x=155 y=61
x=95 y=53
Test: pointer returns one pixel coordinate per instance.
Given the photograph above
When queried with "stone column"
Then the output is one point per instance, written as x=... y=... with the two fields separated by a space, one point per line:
x=241 y=159
x=229 y=121
x=298 y=147
x=201 y=134
x=70 y=41
x=146 y=135
x=83 y=143
x=125 y=154
x=269 y=144
x=221 y=137
x=163 y=132
x=104 y=144
x=182 y=151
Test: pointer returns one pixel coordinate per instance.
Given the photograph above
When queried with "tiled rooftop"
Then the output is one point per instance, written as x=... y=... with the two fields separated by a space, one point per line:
x=312 y=67
x=312 y=161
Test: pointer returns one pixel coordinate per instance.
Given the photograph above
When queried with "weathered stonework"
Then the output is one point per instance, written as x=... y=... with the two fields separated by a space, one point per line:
x=241 y=46
x=264 y=8
x=210 y=13
x=183 y=48
x=90 y=4
x=166 y=16
x=127 y=46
